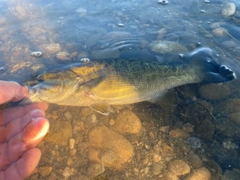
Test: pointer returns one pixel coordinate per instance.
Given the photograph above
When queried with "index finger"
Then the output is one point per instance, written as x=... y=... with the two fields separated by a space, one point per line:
x=11 y=91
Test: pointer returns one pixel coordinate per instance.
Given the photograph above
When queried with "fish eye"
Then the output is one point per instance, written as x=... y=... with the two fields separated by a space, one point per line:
x=40 y=78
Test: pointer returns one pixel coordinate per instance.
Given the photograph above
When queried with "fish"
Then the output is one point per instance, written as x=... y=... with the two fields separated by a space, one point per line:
x=104 y=83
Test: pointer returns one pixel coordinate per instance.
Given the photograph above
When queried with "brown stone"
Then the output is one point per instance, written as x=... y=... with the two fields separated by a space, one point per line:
x=178 y=133
x=199 y=174
x=102 y=138
x=127 y=122
x=179 y=167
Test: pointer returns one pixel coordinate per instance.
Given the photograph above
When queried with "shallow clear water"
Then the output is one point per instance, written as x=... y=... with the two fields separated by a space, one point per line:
x=207 y=114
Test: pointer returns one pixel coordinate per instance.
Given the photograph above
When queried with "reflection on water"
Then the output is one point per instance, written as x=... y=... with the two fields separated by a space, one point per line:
x=197 y=137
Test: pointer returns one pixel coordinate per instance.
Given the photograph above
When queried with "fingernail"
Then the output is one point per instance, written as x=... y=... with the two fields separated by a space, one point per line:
x=36 y=113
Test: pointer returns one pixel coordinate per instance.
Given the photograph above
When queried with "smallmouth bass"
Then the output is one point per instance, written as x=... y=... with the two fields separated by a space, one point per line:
x=116 y=82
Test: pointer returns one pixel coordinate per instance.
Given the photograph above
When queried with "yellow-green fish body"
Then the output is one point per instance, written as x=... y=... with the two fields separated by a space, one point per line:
x=116 y=82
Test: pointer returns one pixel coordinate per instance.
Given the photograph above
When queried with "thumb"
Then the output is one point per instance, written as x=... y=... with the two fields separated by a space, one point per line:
x=11 y=91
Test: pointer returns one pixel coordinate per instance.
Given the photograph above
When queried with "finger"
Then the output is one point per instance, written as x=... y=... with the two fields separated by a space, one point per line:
x=11 y=91
x=19 y=144
x=17 y=125
x=23 y=167
x=15 y=112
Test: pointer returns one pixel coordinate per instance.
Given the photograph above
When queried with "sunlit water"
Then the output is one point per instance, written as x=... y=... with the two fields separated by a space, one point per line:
x=67 y=31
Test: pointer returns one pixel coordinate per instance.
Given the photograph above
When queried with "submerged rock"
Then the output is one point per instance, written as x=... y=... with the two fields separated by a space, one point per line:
x=127 y=122
x=179 y=167
x=199 y=174
x=228 y=9
x=108 y=147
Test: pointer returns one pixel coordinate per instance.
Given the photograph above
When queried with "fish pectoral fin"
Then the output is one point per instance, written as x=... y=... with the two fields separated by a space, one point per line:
x=166 y=99
x=103 y=109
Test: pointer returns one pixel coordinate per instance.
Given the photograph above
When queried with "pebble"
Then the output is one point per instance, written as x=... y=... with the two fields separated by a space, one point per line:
x=127 y=122
x=45 y=171
x=199 y=174
x=230 y=145
x=51 y=48
x=36 y=53
x=59 y=135
x=69 y=161
x=157 y=168
x=194 y=142
x=156 y=157
x=95 y=170
x=81 y=11
x=178 y=167
x=229 y=44
x=228 y=9
x=163 y=47
x=71 y=143
x=189 y=128
x=219 y=32
x=67 y=172
x=21 y=12
x=214 y=91
x=68 y=115
x=102 y=138
x=64 y=56
x=178 y=133
x=194 y=160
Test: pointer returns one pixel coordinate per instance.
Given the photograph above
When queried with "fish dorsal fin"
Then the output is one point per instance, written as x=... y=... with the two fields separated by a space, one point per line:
x=89 y=69
x=103 y=109
x=166 y=99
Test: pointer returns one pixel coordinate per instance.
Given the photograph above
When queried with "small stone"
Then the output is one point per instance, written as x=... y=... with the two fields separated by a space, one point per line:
x=179 y=167
x=93 y=118
x=71 y=143
x=156 y=157
x=67 y=115
x=228 y=9
x=199 y=174
x=95 y=170
x=111 y=122
x=45 y=171
x=157 y=168
x=67 y=172
x=219 y=32
x=36 y=53
x=64 y=56
x=69 y=161
x=127 y=122
x=164 y=129
x=235 y=117
x=81 y=11
x=21 y=12
x=194 y=142
x=189 y=128
x=164 y=2
x=51 y=48
x=178 y=133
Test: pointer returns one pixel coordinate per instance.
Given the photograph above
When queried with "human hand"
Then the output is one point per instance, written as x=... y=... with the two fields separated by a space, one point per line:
x=21 y=129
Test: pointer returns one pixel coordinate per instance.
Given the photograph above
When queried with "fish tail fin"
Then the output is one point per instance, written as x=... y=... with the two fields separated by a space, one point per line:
x=209 y=69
